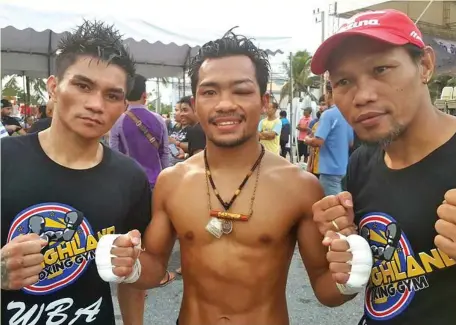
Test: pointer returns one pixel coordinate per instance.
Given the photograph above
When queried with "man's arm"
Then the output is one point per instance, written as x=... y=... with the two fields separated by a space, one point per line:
x=271 y=135
x=114 y=135
x=323 y=130
x=164 y=150
x=313 y=253
x=131 y=300
x=267 y=135
x=159 y=238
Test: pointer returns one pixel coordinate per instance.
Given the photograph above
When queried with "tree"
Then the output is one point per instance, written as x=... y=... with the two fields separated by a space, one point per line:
x=301 y=78
x=437 y=83
x=35 y=87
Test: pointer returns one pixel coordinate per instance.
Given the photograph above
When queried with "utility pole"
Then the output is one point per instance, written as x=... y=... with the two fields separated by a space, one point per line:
x=320 y=18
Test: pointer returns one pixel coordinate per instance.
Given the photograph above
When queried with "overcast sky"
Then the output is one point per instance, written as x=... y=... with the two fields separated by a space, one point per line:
x=289 y=18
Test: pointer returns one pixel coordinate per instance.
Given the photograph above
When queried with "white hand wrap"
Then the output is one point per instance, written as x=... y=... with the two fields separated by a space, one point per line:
x=103 y=261
x=361 y=265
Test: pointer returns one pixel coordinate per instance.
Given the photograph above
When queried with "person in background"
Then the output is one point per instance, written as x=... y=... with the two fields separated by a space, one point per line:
x=304 y=131
x=11 y=124
x=168 y=123
x=146 y=143
x=284 y=134
x=44 y=118
x=270 y=129
x=196 y=139
x=178 y=134
x=322 y=103
x=334 y=137
x=3 y=131
x=314 y=152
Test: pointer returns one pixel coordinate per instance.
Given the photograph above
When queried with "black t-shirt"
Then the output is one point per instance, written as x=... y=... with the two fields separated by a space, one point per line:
x=40 y=125
x=41 y=196
x=412 y=282
x=196 y=139
x=179 y=133
x=8 y=120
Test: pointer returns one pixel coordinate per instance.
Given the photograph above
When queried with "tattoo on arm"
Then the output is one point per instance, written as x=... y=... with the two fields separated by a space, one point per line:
x=4 y=272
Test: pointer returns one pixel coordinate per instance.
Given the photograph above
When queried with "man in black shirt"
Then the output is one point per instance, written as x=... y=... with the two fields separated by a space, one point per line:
x=401 y=189
x=53 y=220
x=10 y=123
x=44 y=120
x=196 y=139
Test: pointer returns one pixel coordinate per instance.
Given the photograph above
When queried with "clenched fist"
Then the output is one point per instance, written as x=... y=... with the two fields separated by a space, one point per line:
x=335 y=213
x=350 y=261
x=126 y=251
x=21 y=261
x=339 y=257
x=446 y=225
x=116 y=257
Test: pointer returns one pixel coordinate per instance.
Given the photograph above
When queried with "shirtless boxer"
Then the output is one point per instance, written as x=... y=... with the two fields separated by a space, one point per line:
x=234 y=272
x=397 y=185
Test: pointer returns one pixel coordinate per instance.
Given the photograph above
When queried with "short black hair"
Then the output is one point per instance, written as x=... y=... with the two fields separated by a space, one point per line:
x=322 y=99
x=275 y=105
x=139 y=88
x=42 y=111
x=229 y=45
x=186 y=100
x=329 y=87
x=6 y=103
x=98 y=40
x=283 y=113
x=415 y=52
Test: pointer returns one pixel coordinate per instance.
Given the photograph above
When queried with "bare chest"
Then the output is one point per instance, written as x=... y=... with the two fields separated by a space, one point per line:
x=270 y=219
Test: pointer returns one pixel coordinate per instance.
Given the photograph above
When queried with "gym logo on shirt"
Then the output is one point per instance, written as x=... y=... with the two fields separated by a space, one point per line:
x=398 y=273
x=71 y=243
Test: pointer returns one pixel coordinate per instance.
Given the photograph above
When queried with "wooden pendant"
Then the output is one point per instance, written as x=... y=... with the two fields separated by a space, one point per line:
x=229 y=215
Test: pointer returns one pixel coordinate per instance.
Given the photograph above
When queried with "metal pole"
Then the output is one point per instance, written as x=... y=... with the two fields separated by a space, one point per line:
x=292 y=122
x=322 y=77
x=183 y=82
x=158 y=96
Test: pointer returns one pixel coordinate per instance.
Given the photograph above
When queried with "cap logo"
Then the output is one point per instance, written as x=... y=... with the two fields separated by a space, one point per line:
x=356 y=24
x=416 y=36
x=367 y=13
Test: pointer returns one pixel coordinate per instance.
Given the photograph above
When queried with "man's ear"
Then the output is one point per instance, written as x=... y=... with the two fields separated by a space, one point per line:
x=144 y=96
x=427 y=64
x=51 y=87
x=265 y=99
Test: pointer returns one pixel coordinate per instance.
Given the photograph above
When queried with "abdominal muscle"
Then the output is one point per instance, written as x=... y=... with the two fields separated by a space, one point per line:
x=244 y=290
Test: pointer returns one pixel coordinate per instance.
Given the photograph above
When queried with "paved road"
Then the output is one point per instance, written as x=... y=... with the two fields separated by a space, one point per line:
x=162 y=305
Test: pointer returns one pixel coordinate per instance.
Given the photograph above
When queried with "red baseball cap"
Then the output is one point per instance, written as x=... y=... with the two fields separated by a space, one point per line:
x=390 y=26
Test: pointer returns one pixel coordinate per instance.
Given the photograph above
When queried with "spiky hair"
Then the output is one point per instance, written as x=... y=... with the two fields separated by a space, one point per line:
x=98 y=40
x=229 y=45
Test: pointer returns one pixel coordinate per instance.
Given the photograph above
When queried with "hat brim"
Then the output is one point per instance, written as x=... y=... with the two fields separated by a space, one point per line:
x=320 y=59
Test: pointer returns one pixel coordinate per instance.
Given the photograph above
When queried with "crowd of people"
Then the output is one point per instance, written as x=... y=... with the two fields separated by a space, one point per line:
x=96 y=212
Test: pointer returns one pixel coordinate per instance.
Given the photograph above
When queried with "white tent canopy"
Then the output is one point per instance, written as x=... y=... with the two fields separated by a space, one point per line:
x=29 y=39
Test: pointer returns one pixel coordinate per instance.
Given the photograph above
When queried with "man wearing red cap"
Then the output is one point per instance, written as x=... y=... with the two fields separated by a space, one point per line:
x=401 y=188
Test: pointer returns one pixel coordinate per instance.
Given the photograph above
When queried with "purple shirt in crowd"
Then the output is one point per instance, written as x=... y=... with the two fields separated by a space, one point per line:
x=127 y=138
